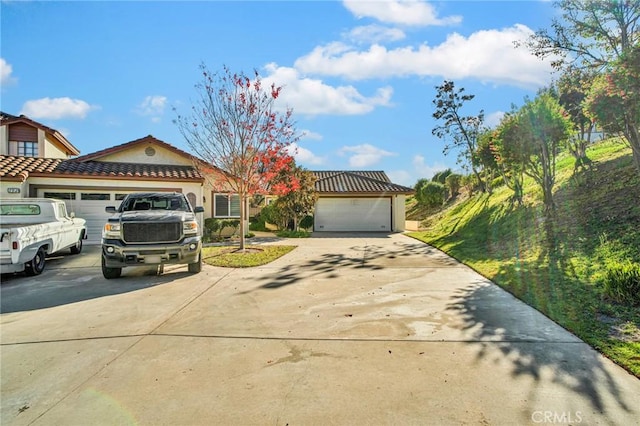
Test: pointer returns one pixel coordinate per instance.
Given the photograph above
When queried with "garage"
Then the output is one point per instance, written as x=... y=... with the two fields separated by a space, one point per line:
x=353 y=214
x=358 y=201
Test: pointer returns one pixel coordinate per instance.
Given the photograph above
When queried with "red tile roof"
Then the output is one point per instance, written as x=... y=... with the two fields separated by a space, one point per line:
x=19 y=168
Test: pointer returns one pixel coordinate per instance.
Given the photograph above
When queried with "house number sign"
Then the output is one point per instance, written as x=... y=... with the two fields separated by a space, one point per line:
x=13 y=190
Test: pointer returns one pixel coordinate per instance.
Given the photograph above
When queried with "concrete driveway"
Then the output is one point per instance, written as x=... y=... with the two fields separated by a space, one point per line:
x=358 y=329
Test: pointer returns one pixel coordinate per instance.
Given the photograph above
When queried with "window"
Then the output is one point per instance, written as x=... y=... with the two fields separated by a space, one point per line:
x=60 y=195
x=95 y=196
x=120 y=197
x=23 y=149
x=226 y=205
x=19 y=209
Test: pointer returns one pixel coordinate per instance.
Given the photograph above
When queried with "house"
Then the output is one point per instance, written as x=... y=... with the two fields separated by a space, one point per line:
x=359 y=201
x=37 y=161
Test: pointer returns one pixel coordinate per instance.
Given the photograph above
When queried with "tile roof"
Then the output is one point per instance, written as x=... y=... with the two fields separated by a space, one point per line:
x=19 y=168
x=347 y=182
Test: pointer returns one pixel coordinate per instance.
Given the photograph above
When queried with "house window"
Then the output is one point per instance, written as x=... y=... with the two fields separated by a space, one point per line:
x=23 y=149
x=226 y=205
x=60 y=195
x=95 y=196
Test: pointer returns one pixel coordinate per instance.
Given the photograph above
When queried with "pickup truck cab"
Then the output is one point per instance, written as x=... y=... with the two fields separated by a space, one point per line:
x=151 y=228
x=32 y=228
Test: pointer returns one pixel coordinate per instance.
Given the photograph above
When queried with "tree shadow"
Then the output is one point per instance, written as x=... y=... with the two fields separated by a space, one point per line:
x=536 y=348
x=56 y=287
x=325 y=266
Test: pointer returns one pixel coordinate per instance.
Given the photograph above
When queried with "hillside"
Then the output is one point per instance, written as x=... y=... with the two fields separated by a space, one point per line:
x=598 y=221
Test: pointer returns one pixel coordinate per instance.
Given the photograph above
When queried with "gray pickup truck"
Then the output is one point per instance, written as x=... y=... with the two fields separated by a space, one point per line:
x=151 y=228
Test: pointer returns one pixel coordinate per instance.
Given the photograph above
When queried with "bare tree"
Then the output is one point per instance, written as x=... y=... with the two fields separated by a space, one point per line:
x=235 y=129
x=462 y=131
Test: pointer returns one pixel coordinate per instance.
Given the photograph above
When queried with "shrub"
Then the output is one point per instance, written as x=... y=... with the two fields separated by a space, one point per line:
x=432 y=194
x=622 y=282
x=441 y=177
x=293 y=234
x=453 y=182
x=306 y=222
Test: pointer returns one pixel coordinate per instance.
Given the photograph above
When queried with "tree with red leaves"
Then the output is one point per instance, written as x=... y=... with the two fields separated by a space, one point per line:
x=236 y=130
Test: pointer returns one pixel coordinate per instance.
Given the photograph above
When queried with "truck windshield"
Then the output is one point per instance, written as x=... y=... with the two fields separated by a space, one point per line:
x=155 y=202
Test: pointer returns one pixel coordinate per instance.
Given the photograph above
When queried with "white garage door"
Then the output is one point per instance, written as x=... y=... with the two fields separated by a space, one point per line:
x=353 y=214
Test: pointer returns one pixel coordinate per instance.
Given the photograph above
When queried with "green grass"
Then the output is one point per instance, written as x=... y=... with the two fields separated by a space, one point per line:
x=597 y=222
x=253 y=255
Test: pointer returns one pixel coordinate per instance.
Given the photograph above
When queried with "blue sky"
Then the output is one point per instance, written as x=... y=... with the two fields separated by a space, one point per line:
x=360 y=76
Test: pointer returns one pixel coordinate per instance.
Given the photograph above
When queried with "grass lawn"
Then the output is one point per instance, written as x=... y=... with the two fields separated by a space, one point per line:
x=597 y=221
x=253 y=255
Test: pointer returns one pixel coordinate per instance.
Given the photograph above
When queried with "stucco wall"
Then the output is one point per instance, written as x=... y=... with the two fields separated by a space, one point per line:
x=399 y=213
x=138 y=154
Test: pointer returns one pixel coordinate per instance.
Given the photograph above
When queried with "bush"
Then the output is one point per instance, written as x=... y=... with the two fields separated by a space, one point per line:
x=306 y=222
x=432 y=194
x=622 y=282
x=441 y=177
x=453 y=183
x=293 y=234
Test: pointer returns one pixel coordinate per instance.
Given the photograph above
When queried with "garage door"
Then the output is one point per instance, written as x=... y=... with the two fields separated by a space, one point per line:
x=353 y=214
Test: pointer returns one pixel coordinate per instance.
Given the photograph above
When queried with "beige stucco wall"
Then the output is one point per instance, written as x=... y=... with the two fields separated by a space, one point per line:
x=399 y=213
x=21 y=186
x=137 y=155
x=50 y=150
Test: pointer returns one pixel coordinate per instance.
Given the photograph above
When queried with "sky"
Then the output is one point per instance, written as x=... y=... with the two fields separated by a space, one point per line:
x=360 y=76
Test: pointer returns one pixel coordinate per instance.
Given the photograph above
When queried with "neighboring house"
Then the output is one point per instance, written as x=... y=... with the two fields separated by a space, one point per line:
x=359 y=201
x=37 y=161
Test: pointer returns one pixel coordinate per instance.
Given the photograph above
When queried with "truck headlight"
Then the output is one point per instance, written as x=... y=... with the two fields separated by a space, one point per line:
x=190 y=227
x=111 y=230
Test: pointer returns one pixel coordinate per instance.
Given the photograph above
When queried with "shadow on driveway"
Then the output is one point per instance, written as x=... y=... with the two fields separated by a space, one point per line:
x=55 y=287
x=572 y=364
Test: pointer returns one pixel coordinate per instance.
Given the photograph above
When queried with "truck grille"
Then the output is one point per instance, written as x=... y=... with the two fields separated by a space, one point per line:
x=145 y=232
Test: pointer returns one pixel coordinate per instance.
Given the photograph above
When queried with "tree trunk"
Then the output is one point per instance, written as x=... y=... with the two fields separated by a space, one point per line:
x=632 y=134
x=243 y=214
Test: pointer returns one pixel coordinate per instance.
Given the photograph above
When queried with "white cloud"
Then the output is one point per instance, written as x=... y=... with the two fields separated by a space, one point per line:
x=374 y=34
x=426 y=170
x=56 y=108
x=404 y=12
x=314 y=97
x=309 y=135
x=152 y=106
x=488 y=55
x=364 y=155
x=305 y=156
x=492 y=120
x=401 y=177
x=5 y=73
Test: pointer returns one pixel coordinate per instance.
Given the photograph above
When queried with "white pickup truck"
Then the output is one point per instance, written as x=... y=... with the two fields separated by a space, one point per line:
x=31 y=228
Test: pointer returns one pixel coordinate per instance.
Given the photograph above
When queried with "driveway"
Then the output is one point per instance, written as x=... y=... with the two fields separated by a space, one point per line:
x=356 y=329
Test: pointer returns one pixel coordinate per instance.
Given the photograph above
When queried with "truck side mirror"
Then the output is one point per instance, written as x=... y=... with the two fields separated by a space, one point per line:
x=110 y=209
x=198 y=209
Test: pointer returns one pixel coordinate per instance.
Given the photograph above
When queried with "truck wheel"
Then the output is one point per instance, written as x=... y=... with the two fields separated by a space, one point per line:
x=77 y=248
x=110 y=273
x=196 y=267
x=36 y=265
